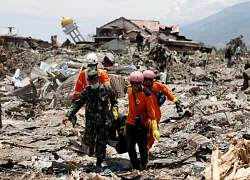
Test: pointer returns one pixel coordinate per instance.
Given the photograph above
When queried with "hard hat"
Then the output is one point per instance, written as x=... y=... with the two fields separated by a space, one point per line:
x=93 y=75
x=92 y=59
x=136 y=76
x=149 y=74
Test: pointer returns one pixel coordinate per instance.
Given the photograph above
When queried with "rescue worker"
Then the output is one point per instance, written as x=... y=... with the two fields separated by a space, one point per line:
x=141 y=110
x=98 y=117
x=158 y=92
x=82 y=81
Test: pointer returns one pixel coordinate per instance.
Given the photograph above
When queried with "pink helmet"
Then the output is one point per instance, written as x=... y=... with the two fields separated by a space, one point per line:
x=136 y=76
x=149 y=74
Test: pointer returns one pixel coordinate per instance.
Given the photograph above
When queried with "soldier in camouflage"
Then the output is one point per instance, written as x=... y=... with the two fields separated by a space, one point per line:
x=98 y=116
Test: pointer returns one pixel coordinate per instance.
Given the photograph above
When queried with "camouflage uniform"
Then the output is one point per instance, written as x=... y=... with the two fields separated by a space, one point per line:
x=98 y=117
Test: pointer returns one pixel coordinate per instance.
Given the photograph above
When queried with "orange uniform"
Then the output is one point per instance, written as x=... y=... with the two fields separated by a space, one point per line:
x=144 y=106
x=82 y=81
x=157 y=87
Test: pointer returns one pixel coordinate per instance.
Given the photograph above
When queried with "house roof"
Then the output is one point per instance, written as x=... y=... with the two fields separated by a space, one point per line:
x=174 y=28
x=8 y=35
x=151 y=25
x=132 y=30
x=113 y=21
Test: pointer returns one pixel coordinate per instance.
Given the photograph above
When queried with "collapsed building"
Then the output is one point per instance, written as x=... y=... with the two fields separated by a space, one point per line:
x=11 y=41
x=209 y=140
x=122 y=30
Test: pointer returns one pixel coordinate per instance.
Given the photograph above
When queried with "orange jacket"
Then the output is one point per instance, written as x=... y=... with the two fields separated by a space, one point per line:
x=157 y=87
x=82 y=81
x=144 y=106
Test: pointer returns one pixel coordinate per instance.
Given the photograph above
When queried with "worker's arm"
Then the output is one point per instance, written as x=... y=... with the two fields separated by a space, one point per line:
x=79 y=85
x=150 y=107
x=166 y=91
x=76 y=105
x=104 y=78
x=171 y=97
x=151 y=114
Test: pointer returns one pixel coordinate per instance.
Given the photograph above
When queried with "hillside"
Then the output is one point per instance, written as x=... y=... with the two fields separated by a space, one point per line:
x=219 y=28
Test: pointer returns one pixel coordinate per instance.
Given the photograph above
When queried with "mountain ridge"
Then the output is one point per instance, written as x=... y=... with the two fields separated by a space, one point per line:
x=218 y=29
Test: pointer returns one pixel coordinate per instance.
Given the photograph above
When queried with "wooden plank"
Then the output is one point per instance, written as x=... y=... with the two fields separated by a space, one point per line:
x=214 y=164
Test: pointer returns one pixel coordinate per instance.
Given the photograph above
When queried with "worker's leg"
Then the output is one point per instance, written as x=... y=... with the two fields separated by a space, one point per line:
x=143 y=146
x=90 y=134
x=131 y=133
x=245 y=82
x=101 y=141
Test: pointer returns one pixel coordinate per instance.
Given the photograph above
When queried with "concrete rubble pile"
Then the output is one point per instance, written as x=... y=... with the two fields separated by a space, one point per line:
x=205 y=141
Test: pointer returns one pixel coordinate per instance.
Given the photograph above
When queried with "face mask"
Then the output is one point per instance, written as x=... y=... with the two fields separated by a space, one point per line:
x=148 y=83
x=95 y=86
x=92 y=68
x=136 y=87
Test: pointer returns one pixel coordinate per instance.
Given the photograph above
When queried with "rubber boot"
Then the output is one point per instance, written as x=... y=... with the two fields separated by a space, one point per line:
x=99 y=165
x=245 y=82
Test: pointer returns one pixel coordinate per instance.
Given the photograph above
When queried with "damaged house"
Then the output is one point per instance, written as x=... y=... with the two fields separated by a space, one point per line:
x=117 y=34
x=12 y=41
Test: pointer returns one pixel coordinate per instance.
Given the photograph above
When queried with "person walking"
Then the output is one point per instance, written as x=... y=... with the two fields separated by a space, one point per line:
x=204 y=58
x=238 y=53
x=158 y=92
x=147 y=43
x=141 y=111
x=228 y=56
x=82 y=81
x=96 y=96
x=139 y=41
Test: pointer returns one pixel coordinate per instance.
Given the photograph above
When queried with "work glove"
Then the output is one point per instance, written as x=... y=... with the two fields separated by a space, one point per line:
x=178 y=106
x=115 y=113
x=156 y=133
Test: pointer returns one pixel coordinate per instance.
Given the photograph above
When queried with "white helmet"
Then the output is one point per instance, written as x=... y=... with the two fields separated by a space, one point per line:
x=92 y=59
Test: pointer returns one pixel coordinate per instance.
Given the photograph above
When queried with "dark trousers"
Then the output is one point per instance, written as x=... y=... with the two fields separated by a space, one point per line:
x=139 y=46
x=95 y=126
x=139 y=136
x=245 y=82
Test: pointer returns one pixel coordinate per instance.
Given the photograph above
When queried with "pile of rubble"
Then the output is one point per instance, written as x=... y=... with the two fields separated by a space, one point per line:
x=203 y=142
x=233 y=164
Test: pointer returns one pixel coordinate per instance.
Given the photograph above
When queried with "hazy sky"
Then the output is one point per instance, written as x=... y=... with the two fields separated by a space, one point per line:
x=42 y=18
